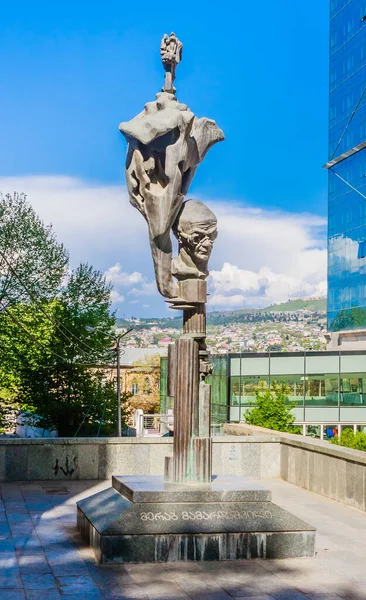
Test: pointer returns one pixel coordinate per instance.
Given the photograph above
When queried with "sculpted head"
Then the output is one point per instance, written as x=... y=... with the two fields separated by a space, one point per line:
x=196 y=230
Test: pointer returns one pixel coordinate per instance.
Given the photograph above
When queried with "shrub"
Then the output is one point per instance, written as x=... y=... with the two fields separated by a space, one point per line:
x=349 y=439
x=271 y=409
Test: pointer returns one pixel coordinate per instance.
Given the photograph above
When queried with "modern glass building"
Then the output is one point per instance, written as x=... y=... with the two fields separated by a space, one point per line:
x=328 y=388
x=347 y=166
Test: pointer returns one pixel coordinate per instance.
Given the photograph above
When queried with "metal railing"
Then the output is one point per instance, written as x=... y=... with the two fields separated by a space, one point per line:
x=154 y=425
x=158 y=425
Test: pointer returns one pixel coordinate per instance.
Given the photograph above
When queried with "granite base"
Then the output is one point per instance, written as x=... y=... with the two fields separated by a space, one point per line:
x=144 y=519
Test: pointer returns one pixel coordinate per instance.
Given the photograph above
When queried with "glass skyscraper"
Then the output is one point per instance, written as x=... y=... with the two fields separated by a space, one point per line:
x=347 y=166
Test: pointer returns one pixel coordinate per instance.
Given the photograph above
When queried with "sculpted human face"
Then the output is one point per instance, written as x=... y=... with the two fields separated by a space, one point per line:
x=201 y=240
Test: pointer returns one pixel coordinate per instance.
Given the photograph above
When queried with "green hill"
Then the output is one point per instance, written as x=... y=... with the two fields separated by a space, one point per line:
x=226 y=317
x=312 y=305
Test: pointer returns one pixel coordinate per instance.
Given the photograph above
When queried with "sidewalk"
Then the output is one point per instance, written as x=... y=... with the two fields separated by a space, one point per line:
x=43 y=558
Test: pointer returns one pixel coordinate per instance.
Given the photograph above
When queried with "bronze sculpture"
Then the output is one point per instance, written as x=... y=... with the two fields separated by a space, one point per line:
x=166 y=143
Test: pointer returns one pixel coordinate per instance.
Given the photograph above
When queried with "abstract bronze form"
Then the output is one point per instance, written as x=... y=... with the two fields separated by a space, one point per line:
x=166 y=143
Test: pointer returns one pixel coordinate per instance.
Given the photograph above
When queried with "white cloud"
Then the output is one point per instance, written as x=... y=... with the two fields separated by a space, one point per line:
x=146 y=289
x=117 y=277
x=253 y=238
x=96 y=222
x=234 y=287
x=116 y=297
x=260 y=256
x=268 y=256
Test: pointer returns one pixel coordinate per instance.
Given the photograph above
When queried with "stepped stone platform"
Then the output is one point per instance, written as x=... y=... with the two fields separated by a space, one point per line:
x=145 y=519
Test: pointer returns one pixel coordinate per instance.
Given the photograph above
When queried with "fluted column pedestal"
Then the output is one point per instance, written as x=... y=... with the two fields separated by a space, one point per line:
x=187 y=367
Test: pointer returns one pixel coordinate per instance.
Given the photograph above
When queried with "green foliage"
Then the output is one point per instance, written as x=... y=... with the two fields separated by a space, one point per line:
x=50 y=366
x=349 y=439
x=271 y=408
x=25 y=337
x=74 y=382
x=30 y=256
x=275 y=348
x=8 y=410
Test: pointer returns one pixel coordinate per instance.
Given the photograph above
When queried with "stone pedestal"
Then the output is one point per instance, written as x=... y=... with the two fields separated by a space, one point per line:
x=192 y=448
x=144 y=519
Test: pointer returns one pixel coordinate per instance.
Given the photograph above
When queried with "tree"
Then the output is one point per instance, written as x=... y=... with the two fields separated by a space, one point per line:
x=49 y=365
x=271 y=408
x=72 y=392
x=32 y=262
x=25 y=335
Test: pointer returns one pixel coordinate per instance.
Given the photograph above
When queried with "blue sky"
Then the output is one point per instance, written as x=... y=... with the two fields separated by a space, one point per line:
x=72 y=71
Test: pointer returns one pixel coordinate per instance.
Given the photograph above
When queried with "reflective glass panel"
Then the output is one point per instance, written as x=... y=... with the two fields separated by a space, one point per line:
x=249 y=385
x=321 y=390
x=347 y=181
x=352 y=386
x=219 y=388
x=295 y=385
x=235 y=391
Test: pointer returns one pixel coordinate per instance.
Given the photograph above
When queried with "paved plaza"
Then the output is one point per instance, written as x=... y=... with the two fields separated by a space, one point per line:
x=42 y=556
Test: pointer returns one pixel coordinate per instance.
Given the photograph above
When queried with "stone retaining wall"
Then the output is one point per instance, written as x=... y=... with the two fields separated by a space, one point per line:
x=99 y=458
x=332 y=471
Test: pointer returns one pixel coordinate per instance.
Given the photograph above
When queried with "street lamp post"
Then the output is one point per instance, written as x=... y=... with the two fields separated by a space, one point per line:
x=119 y=386
x=117 y=349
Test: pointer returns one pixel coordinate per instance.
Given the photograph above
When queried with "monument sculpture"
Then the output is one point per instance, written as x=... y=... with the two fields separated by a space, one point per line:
x=187 y=514
x=166 y=143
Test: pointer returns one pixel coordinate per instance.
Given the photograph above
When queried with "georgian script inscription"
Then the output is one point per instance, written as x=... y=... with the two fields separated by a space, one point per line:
x=198 y=515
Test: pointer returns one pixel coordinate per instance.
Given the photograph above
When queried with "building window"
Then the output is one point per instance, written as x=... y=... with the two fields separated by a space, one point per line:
x=361 y=249
x=236 y=391
x=249 y=385
x=147 y=386
x=295 y=386
x=353 y=386
x=321 y=390
x=134 y=387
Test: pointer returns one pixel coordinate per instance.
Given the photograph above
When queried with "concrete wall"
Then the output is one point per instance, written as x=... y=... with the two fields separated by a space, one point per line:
x=252 y=452
x=347 y=340
x=332 y=471
x=335 y=472
x=99 y=458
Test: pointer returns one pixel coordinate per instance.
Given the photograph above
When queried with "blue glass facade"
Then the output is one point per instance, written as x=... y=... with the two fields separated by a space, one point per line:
x=347 y=178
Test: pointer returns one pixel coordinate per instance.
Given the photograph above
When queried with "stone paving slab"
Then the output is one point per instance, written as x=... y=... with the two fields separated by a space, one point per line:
x=42 y=556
